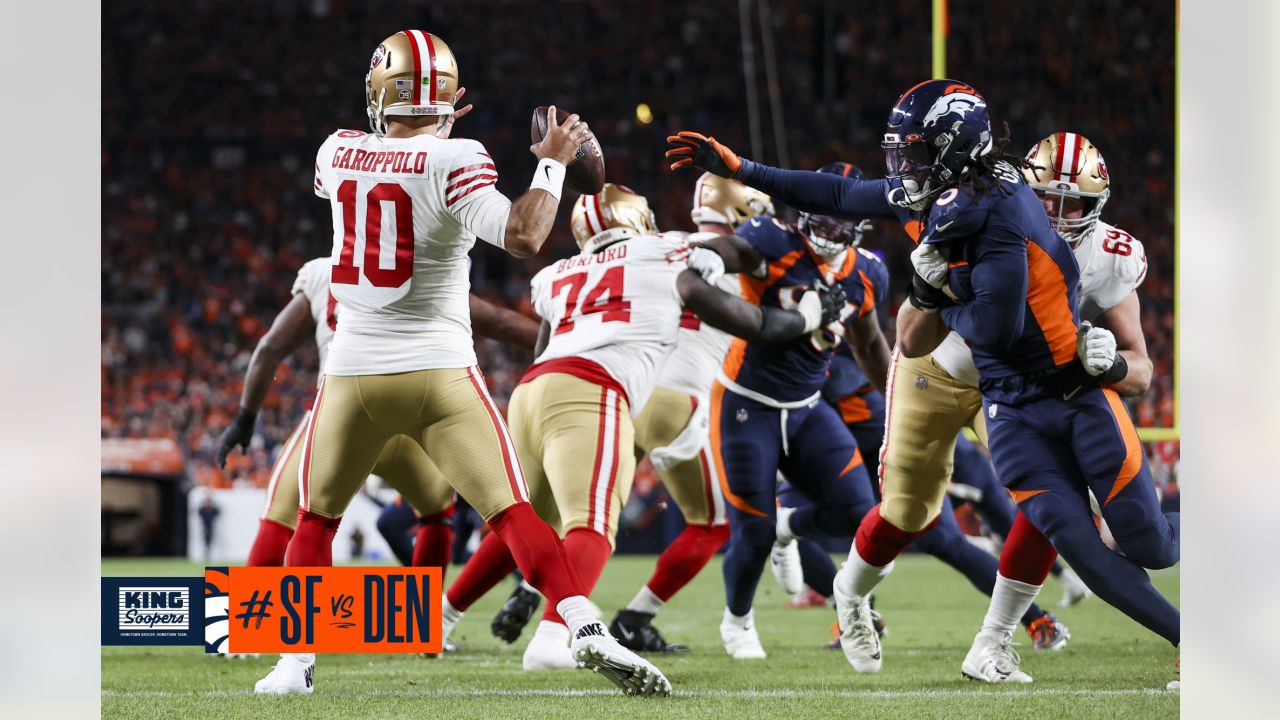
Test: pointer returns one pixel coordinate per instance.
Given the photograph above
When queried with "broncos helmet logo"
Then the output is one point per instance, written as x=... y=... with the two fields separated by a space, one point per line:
x=958 y=103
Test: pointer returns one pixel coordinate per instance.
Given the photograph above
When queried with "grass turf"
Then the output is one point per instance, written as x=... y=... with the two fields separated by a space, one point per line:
x=1112 y=668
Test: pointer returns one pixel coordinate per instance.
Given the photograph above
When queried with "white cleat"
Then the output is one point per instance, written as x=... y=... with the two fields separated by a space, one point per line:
x=784 y=557
x=449 y=619
x=992 y=659
x=292 y=674
x=548 y=649
x=740 y=638
x=858 y=636
x=596 y=649
x=1073 y=588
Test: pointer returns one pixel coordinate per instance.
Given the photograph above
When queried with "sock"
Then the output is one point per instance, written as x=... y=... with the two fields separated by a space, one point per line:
x=525 y=584
x=539 y=553
x=1010 y=600
x=269 y=545
x=312 y=543
x=450 y=614
x=742 y=621
x=879 y=541
x=588 y=551
x=576 y=613
x=743 y=565
x=435 y=540
x=819 y=570
x=491 y=563
x=645 y=602
x=552 y=631
x=1027 y=555
x=683 y=559
x=858 y=577
x=304 y=658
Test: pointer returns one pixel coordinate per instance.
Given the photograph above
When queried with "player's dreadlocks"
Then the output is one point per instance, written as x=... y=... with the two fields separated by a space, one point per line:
x=981 y=179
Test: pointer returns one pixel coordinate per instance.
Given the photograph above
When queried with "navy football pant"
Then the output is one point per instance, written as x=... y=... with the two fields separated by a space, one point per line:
x=397 y=523
x=1049 y=453
x=751 y=442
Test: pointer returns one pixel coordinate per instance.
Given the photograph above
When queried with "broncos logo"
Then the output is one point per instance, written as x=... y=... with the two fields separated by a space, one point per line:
x=959 y=103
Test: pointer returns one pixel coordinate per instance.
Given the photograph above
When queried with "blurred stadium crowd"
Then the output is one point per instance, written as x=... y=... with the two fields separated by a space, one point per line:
x=207 y=155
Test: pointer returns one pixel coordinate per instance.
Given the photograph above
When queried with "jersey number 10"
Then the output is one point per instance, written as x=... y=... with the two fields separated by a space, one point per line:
x=346 y=272
x=614 y=307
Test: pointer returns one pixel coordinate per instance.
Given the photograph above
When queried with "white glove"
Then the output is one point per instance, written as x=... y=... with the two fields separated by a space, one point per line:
x=930 y=264
x=706 y=263
x=1096 y=348
x=810 y=306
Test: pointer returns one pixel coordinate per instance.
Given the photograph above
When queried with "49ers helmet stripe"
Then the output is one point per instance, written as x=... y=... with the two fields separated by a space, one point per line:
x=417 y=63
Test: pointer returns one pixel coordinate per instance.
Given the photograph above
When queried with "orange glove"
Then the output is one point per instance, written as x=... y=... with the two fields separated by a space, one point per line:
x=691 y=149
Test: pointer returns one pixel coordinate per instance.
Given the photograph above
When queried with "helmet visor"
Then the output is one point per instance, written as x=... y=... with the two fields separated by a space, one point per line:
x=907 y=160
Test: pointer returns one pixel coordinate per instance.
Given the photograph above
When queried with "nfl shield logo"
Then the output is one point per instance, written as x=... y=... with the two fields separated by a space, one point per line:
x=741 y=415
x=922 y=382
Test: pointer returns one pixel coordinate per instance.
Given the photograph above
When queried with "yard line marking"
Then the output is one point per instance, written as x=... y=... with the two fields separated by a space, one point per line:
x=979 y=691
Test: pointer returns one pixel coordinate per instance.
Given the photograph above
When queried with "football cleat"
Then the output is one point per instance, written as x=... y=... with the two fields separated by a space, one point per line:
x=1175 y=685
x=515 y=614
x=858 y=637
x=1073 y=588
x=740 y=638
x=548 y=649
x=596 y=649
x=293 y=674
x=447 y=646
x=635 y=631
x=1048 y=633
x=807 y=598
x=992 y=659
x=877 y=622
x=784 y=557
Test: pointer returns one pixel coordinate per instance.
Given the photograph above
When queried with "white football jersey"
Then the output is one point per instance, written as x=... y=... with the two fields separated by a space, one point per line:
x=700 y=350
x=313 y=284
x=406 y=211
x=1112 y=265
x=618 y=307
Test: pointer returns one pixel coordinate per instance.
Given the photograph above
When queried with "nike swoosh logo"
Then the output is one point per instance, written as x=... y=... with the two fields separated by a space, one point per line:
x=944 y=226
x=1066 y=397
x=626 y=634
x=546 y=171
x=876 y=656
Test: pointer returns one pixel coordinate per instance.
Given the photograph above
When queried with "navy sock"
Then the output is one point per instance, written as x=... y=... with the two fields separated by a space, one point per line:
x=819 y=570
x=743 y=565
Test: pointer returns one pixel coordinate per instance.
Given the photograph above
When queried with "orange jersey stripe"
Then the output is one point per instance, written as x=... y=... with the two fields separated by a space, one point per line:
x=1020 y=495
x=717 y=405
x=752 y=291
x=868 y=295
x=1132 y=446
x=913 y=228
x=1047 y=295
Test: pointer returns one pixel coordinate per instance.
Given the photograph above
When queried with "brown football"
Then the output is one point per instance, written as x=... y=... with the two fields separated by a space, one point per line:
x=585 y=173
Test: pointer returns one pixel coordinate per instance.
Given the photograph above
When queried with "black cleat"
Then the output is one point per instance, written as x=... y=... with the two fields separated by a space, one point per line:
x=514 y=615
x=634 y=631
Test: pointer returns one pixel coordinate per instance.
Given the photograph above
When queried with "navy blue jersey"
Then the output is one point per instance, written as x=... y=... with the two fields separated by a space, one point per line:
x=1016 y=284
x=795 y=370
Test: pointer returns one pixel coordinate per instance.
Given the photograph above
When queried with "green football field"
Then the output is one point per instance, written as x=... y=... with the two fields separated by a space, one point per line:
x=1111 y=669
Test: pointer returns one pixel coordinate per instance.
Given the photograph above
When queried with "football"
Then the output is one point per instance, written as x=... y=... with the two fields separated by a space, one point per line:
x=585 y=173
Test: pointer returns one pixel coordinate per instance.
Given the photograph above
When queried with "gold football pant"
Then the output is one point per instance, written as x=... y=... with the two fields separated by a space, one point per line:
x=445 y=412
x=403 y=465
x=576 y=443
x=693 y=484
x=925 y=410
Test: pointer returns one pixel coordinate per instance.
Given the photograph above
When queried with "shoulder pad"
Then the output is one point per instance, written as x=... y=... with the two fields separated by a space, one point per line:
x=955 y=214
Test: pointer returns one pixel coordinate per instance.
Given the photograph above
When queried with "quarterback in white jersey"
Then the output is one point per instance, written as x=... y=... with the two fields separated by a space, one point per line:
x=673 y=428
x=407 y=206
x=610 y=317
x=1069 y=174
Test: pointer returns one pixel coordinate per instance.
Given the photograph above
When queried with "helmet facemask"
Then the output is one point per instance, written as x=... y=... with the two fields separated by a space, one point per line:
x=1073 y=229
x=910 y=172
x=829 y=236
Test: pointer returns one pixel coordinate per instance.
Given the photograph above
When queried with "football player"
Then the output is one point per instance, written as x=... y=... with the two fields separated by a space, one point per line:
x=938 y=138
x=407 y=207
x=766 y=413
x=672 y=429
x=611 y=316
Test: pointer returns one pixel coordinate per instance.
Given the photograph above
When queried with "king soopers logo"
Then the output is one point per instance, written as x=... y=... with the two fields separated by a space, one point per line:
x=155 y=609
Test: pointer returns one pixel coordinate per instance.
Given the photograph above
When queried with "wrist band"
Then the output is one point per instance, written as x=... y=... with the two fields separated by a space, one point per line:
x=549 y=176
x=1119 y=369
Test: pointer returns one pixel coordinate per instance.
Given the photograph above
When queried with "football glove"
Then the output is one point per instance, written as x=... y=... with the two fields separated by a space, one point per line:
x=1096 y=348
x=240 y=432
x=925 y=296
x=930 y=264
x=691 y=149
x=821 y=305
x=707 y=263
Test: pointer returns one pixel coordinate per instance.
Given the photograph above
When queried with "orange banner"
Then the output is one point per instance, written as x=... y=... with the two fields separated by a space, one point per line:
x=330 y=609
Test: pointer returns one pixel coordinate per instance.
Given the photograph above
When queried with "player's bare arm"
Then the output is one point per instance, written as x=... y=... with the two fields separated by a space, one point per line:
x=870 y=348
x=920 y=332
x=544 y=337
x=533 y=214
x=737 y=254
x=1125 y=322
x=291 y=327
x=752 y=322
x=489 y=320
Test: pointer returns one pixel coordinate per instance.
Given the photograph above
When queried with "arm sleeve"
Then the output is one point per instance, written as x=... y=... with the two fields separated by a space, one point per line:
x=994 y=317
x=819 y=192
x=471 y=195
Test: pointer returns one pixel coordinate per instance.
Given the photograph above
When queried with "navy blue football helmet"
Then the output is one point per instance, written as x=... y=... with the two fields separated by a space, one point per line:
x=829 y=236
x=936 y=131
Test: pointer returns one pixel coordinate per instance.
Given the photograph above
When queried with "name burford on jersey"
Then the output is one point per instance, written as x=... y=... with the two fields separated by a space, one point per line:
x=1112 y=265
x=406 y=211
x=618 y=308
x=312 y=283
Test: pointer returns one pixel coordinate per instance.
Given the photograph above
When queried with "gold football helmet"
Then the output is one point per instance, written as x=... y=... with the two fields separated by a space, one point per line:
x=722 y=200
x=411 y=73
x=1066 y=165
x=615 y=213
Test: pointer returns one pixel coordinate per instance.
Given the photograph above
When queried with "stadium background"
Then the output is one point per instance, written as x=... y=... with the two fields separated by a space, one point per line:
x=212 y=112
